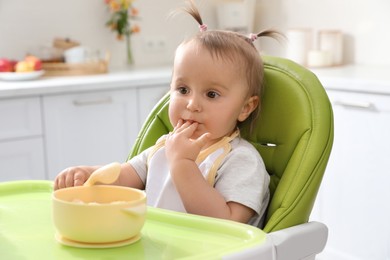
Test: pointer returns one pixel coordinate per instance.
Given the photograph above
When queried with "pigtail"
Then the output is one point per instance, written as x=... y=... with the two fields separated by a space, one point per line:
x=266 y=33
x=193 y=11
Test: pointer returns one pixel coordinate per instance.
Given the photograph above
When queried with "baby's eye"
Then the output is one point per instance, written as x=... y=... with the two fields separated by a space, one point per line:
x=212 y=94
x=183 y=90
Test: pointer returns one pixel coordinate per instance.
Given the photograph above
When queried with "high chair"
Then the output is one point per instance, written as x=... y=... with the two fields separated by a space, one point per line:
x=294 y=135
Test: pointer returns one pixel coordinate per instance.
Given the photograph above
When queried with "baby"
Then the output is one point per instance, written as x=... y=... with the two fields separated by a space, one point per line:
x=203 y=166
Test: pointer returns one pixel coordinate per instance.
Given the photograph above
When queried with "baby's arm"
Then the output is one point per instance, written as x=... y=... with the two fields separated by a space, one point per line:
x=77 y=176
x=198 y=196
x=129 y=177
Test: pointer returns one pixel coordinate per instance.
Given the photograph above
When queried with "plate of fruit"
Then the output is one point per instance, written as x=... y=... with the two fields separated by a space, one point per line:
x=28 y=69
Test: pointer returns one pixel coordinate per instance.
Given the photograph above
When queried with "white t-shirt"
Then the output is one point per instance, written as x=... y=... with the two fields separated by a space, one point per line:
x=240 y=178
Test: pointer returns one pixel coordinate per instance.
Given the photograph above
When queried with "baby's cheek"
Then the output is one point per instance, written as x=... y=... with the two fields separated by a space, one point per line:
x=172 y=118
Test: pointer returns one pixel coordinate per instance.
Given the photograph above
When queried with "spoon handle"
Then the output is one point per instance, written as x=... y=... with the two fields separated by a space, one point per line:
x=106 y=174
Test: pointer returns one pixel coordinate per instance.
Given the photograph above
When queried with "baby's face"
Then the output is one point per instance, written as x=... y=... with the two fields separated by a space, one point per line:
x=209 y=91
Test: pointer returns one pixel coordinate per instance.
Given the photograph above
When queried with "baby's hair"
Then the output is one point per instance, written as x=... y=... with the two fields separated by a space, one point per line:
x=232 y=46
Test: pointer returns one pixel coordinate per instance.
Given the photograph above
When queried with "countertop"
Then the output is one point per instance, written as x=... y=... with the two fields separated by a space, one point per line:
x=357 y=78
x=115 y=79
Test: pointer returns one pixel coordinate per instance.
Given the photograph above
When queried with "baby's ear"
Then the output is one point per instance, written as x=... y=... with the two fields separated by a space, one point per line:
x=249 y=106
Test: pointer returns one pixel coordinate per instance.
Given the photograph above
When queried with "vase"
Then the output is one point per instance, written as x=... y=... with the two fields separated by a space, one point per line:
x=130 y=59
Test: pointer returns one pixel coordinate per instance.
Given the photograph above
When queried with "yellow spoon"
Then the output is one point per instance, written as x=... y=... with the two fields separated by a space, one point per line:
x=106 y=174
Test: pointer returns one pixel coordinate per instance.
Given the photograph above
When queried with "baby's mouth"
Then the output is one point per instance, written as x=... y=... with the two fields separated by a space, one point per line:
x=189 y=121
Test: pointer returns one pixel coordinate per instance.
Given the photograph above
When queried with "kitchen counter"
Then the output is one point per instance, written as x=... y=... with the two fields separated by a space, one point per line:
x=364 y=79
x=38 y=118
x=115 y=80
x=357 y=78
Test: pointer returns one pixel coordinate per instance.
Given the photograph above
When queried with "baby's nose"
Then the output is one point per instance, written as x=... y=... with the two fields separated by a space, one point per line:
x=194 y=105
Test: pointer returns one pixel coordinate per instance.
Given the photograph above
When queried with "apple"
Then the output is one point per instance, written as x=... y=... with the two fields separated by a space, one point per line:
x=13 y=64
x=36 y=62
x=28 y=64
x=5 y=65
x=24 y=66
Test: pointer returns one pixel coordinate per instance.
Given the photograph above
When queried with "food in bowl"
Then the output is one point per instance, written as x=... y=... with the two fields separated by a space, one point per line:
x=96 y=203
x=99 y=213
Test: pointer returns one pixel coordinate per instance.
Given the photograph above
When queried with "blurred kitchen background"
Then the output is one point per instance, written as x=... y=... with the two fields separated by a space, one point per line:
x=25 y=25
x=354 y=198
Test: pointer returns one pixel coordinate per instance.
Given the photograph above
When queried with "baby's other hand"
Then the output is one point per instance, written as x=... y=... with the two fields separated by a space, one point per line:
x=73 y=176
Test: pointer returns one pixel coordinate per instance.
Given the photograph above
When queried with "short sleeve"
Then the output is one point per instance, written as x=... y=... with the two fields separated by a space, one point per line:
x=140 y=164
x=243 y=178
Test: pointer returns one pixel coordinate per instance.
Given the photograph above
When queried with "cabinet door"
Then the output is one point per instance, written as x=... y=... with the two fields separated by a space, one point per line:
x=20 y=118
x=354 y=196
x=148 y=98
x=89 y=129
x=21 y=141
x=22 y=160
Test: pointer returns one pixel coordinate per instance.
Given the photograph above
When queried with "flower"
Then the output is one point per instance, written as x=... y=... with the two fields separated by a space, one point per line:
x=122 y=13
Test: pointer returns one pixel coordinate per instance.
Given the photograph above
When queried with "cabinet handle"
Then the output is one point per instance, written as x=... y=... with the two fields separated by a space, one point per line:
x=361 y=105
x=107 y=100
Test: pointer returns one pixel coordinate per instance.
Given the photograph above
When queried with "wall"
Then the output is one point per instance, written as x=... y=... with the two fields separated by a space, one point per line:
x=28 y=24
x=364 y=23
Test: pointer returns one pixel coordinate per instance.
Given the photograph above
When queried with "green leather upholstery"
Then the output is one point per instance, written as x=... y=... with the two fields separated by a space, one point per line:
x=294 y=135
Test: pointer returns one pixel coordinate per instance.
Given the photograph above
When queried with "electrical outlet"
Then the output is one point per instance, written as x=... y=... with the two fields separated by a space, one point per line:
x=155 y=44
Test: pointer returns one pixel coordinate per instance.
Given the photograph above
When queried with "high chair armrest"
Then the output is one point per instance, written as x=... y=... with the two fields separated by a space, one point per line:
x=301 y=242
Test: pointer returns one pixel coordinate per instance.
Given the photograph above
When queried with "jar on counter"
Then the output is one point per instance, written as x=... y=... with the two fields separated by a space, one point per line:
x=332 y=41
x=299 y=43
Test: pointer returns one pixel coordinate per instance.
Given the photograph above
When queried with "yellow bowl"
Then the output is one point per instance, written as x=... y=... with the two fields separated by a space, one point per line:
x=99 y=214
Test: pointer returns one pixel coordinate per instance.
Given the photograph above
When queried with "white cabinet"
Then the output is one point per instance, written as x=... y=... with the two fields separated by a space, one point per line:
x=21 y=140
x=49 y=124
x=354 y=196
x=90 y=128
x=22 y=160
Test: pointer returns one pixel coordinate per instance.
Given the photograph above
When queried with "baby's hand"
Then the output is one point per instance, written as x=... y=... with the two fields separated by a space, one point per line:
x=179 y=144
x=73 y=176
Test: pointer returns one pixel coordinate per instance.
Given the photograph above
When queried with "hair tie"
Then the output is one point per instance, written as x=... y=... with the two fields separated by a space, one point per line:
x=253 y=37
x=203 y=27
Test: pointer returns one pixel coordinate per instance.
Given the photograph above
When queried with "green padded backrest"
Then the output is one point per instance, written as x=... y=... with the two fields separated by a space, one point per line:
x=294 y=135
